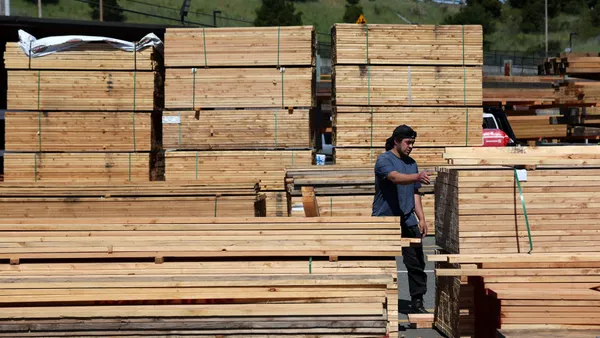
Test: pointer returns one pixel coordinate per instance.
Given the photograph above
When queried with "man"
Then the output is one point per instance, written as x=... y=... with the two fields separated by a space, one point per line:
x=397 y=183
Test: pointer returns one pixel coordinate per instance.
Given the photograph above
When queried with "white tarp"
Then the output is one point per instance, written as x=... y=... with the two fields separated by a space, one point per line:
x=45 y=46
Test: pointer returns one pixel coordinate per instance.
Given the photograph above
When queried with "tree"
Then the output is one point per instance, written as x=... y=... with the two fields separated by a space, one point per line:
x=353 y=11
x=277 y=13
x=112 y=11
x=477 y=12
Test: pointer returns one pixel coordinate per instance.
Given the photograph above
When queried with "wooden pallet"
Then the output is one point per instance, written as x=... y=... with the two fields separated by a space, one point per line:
x=407 y=44
x=83 y=90
x=240 y=46
x=78 y=131
x=196 y=88
x=233 y=129
x=426 y=157
x=88 y=56
x=407 y=86
x=76 y=167
x=548 y=155
x=368 y=127
x=265 y=167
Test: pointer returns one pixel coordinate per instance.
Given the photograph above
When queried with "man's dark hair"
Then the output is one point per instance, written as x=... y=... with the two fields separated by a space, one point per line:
x=400 y=133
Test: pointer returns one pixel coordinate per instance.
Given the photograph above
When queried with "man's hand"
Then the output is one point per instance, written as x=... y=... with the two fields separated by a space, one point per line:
x=424 y=177
x=423 y=228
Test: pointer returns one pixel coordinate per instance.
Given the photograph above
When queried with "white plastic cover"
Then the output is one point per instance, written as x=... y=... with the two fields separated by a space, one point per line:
x=33 y=47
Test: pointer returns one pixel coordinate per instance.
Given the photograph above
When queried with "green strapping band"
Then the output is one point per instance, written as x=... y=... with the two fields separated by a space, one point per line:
x=179 y=127
x=524 y=210
x=330 y=206
x=35 y=167
x=282 y=88
x=194 y=88
x=292 y=157
x=129 y=167
x=39 y=112
x=204 y=47
x=465 y=86
x=278 y=43
x=216 y=199
x=275 y=128
x=196 y=166
x=134 y=94
x=369 y=92
x=310 y=265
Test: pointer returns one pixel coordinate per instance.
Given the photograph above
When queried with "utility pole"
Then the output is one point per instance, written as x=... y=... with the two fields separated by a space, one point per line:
x=546 y=10
x=5 y=7
x=101 y=11
x=39 y=8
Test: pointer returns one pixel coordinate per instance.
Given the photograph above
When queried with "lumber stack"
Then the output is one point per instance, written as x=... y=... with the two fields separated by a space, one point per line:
x=240 y=99
x=352 y=157
x=428 y=77
x=342 y=191
x=149 y=199
x=537 y=127
x=533 y=293
x=479 y=211
x=93 y=101
x=581 y=65
x=259 y=275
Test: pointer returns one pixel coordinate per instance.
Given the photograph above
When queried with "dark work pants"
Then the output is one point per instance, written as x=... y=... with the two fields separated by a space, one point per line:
x=414 y=260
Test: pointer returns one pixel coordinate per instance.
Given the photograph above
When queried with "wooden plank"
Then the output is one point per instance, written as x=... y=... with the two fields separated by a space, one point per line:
x=426 y=157
x=567 y=155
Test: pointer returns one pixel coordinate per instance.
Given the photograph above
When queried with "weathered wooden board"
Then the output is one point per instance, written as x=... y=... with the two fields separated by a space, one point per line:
x=236 y=129
x=196 y=88
x=368 y=127
x=76 y=167
x=77 y=131
x=407 y=86
x=407 y=44
x=240 y=46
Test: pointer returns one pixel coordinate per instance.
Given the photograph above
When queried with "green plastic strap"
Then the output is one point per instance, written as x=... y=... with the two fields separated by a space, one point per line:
x=465 y=86
x=216 y=199
x=524 y=210
x=204 y=47
x=39 y=80
x=134 y=94
x=310 y=265
x=330 y=206
x=292 y=157
x=35 y=167
x=179 y=127
x=278 y=43
x=194 y=88
x=276 y=122
x=129 y=167
x=282 y=70
x=196 y=166
x=369 y=92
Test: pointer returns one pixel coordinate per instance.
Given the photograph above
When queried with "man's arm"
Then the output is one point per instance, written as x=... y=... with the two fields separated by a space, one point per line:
x=385 y=170
x=420 y=214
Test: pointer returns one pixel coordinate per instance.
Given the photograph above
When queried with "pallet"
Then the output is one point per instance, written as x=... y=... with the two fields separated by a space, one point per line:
x=76 y=167
x=231 y=129
x=407 y=86
x=240 y=46
x=368 y=127
x=265 y=167
x=101 y=90
x=78 y=131
x=407 y=44
x=196 y=88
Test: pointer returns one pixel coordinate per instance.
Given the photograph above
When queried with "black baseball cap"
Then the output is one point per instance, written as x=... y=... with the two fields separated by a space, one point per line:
x=404 y=131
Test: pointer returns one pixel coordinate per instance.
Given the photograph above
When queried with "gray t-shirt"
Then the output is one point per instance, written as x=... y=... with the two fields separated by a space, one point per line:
x=395 y=199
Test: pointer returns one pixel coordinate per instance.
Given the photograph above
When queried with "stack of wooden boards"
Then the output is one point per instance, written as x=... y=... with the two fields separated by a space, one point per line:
x=428 y=77
x=220 y=276
x=531 y=294
x=85 y=114
x=151 y=199
x=342 y=191
x=238 y=104
x=581 y=65
x=500 y=210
